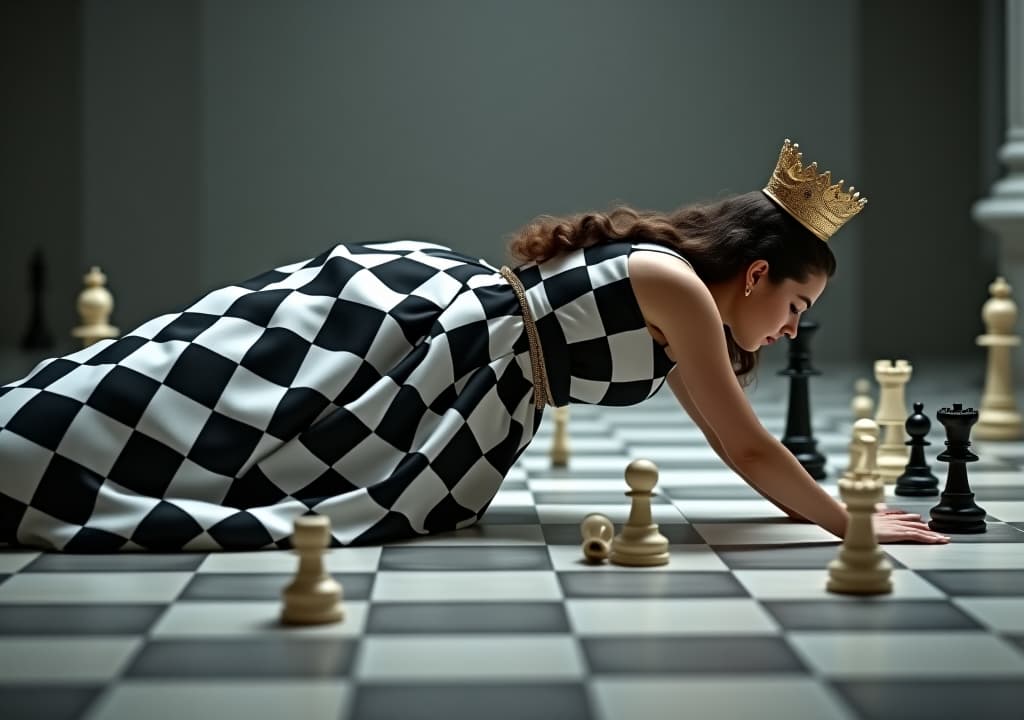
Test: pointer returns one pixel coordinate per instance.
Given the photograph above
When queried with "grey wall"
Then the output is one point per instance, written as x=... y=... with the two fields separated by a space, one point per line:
x=220 y=138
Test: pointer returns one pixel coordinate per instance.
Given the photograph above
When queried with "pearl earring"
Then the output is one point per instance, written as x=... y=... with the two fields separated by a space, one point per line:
x=746 y=293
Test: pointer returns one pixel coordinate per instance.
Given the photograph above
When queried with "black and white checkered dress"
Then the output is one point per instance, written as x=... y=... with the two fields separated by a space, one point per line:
x=386 y=386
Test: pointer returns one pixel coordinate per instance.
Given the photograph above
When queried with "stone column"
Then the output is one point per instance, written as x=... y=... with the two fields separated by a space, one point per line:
x=1002 y=212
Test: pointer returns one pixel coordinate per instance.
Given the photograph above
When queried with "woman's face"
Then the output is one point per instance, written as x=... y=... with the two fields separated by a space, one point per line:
x=771 y=310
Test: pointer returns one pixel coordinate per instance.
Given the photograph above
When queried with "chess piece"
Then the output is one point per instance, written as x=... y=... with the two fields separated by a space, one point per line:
x=861 y=567
x=37 y=337
x=862 y=405
x=560 y=438
x=998 y=418
x=597 y=531
x=917 y=479
x=957 y=512
x=95 y=303
x=313 y=597
x=893 y=453
x=639 y=543
x=799 y=437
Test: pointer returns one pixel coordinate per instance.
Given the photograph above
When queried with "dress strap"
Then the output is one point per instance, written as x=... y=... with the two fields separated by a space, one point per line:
x=541 y=392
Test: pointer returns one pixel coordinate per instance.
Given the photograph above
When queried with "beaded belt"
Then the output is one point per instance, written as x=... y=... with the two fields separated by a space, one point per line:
x=541 y=393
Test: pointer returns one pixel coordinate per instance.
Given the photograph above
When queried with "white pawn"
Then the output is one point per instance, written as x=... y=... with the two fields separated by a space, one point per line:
x=313 y=597
x=998 y=418
x=640 y=543
x=560 y=438
x=862 y=405
x=597 y=531
x=95 y=304
x=893 y=451
x=861 y=567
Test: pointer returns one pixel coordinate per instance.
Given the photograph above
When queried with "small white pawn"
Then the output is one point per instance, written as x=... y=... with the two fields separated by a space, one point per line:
x=95 y=304
x=640 y=543
x=998 y=417
x=862 y=405
x=861 y=567
x=313 y=597
x=560 y=438
x=597 y=531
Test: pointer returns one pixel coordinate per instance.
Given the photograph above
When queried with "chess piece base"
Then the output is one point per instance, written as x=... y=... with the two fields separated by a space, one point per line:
x=639 y=547
x=958 y=513
x=858 y=581
x=923 y=485
x=313 y=606
x=999 y=425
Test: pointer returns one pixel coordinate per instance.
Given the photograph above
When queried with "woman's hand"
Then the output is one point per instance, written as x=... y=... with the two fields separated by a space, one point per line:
x=892 y=525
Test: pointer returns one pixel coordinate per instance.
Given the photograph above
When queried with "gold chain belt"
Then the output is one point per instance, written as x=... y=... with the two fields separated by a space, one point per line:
x=541 y=394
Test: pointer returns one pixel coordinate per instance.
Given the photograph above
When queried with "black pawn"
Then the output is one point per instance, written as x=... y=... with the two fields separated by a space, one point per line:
x=957 y=512
x=37 y=337
x=917 y=479
x=799 y=437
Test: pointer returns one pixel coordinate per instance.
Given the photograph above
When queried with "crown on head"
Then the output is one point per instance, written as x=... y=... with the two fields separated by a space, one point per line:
x=819 y=205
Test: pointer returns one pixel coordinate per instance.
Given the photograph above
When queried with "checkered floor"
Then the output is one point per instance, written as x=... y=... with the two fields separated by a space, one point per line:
x=505 y=621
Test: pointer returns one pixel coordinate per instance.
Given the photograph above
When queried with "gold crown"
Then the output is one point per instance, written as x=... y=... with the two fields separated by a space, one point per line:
x=812 y=199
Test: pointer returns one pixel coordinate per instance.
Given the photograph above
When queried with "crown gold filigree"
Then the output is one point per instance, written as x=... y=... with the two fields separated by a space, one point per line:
x=819 y=205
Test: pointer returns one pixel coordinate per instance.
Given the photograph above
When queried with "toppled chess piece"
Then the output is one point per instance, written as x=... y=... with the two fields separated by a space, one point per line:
x=917 y=479
x=640 y=543
x=957 y=512
x=998 y=418
x=861 y=567
x=95 y=304
x=597 y=531
x=313 y=597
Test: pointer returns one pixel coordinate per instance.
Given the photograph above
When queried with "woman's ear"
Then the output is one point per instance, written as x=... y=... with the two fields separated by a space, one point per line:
x=756 y=272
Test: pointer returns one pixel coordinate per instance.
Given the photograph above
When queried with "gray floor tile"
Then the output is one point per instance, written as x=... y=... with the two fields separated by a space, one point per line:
x=464 y=558
x=583 y=497
x=465 y=617
x=630 y=585
x=802 y=556
x=995 y=532
x=469 y=702
x=45 y=702
x=569 y=534
x=127 y=562
x=510 y=515
x=977 y=583
x=244 y=658
x=934 y=700
x=711 y=492
x=660 y=655
x=256 y=586
x=78 y=619
x=869 y=615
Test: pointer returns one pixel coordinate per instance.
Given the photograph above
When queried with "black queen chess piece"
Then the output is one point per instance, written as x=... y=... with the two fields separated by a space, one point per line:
x=917 y=479
x=957 y=512
x=799 y=437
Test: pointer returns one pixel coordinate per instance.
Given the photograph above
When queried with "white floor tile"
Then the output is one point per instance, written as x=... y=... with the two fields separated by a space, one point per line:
x=754 y=509
x=810 y=585
x=250 y=619
x=443 y=657
x=93 y=587
x=616 y=513
x=465 y=586
x=67 y=659
x=11 y=561
x=907 y=655
x=173 y=700
x=719 y=616
x=481 y=535
x=1002 y=614
x=1005 y=510
x=954 y=556
x=753 y=698
x=690 y=558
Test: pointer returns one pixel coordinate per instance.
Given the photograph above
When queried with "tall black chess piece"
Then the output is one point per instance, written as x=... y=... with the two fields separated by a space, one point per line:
x=799 y=437
x=957 y=512
x=37 y=337
x=917 y=479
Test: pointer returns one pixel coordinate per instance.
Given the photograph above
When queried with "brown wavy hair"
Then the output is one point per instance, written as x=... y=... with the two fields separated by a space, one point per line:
x=720 y=239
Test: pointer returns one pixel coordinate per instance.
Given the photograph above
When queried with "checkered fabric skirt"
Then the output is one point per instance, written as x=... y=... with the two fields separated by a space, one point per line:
x=386 y=386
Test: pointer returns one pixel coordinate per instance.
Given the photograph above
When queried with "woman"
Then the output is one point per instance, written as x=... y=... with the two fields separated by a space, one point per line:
x=392 y=386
